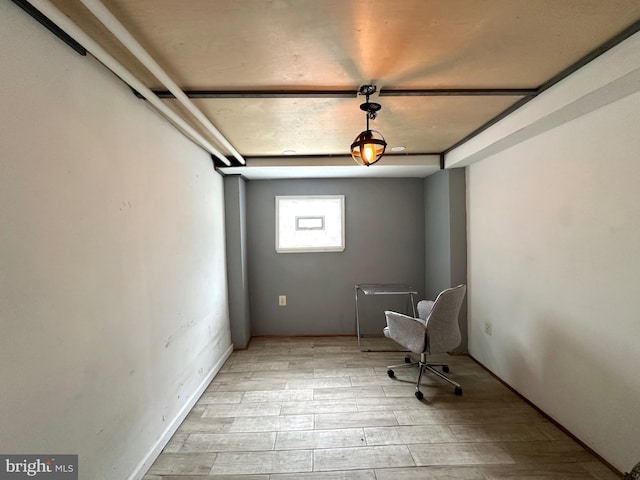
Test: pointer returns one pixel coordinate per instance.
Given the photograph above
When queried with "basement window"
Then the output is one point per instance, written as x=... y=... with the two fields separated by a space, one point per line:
x=309 y=223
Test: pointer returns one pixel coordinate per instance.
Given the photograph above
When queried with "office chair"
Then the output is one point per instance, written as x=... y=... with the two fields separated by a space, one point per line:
x=435 y=331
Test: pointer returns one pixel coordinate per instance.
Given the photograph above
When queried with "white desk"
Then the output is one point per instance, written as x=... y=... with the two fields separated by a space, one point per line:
x=383 y=289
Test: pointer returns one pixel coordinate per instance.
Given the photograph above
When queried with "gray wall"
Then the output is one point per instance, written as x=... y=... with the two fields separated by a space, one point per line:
x=236 y=241
x=445 y=236
x=437 y=266
x=385 y=236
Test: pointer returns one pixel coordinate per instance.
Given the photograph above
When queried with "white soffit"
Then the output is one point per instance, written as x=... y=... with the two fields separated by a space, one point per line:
x=336 y=167
x=610 y=77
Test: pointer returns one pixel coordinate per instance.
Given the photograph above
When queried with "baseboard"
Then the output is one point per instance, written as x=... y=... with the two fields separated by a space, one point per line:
x=306 y=335
x=548 y=417
x=150 y=457
x=458 y=354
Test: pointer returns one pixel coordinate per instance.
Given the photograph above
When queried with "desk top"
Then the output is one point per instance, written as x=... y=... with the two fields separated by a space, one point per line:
x=386 y=289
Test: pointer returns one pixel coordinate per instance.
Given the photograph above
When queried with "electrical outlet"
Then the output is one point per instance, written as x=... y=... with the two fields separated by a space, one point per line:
x=488 y=329
x=282 y=300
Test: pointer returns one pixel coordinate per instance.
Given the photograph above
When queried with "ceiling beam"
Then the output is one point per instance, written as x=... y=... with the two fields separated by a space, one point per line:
x=447 y=92
x=459 y=92
x=340 y=155
x=262 y=93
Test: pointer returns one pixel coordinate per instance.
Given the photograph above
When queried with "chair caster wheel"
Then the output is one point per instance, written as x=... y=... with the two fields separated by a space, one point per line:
x=391 y=373
x=458 y=391
x=445 y=368
x=419 y=395
x=407 y=359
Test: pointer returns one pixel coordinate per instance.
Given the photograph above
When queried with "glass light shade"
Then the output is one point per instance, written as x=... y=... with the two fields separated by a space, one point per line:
x=368 y=147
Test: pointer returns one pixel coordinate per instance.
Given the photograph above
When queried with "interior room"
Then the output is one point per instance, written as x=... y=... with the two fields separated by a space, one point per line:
x=144 y=145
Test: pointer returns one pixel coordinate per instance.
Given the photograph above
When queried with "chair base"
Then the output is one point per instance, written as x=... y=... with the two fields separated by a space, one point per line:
x=423 y=365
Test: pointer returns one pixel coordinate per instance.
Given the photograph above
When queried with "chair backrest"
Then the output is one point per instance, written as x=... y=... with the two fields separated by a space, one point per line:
x=424 y=308
x=443 y=329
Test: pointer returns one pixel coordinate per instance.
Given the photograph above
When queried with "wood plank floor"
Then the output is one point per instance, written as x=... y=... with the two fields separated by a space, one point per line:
x=319 y=408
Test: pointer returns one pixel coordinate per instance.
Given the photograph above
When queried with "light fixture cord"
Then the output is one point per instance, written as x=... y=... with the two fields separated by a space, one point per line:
x=368 y=114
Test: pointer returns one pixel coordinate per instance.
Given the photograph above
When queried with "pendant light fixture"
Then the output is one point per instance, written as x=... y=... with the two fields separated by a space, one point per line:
x=369 y=146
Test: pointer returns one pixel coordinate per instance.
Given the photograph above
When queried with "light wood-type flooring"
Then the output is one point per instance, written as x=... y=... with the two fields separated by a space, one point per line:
x=320 y=408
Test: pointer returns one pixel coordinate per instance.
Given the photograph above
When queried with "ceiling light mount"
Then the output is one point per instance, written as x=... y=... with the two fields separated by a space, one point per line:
x=369 y=146
x=371 y=108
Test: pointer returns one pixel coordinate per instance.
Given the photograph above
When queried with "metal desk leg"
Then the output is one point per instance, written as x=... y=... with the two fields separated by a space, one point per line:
x=413 y=305
x=357 y=318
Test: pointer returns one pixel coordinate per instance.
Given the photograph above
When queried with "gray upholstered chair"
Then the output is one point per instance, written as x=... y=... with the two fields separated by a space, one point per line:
x=435 y=331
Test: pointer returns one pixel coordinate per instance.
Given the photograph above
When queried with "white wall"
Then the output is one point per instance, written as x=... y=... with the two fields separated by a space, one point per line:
x=113 y=310
x=554 y=265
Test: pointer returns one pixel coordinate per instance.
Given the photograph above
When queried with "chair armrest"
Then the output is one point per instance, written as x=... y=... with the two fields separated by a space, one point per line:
x=407 y=331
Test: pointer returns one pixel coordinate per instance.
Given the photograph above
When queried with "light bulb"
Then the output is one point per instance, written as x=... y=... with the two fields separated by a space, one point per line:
x=369 y=153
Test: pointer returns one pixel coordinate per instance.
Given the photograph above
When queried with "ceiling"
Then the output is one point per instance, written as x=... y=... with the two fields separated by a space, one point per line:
x=278 y=75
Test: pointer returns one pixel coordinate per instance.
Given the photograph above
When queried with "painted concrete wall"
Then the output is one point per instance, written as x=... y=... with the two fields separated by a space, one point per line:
x=237 y=267
x=437 y=234
x=384 y=244
x=113 y=298
x=554 y=266
x=445 y=237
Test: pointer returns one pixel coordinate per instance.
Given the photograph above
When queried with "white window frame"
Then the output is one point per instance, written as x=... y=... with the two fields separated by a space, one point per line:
x=295 y=221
